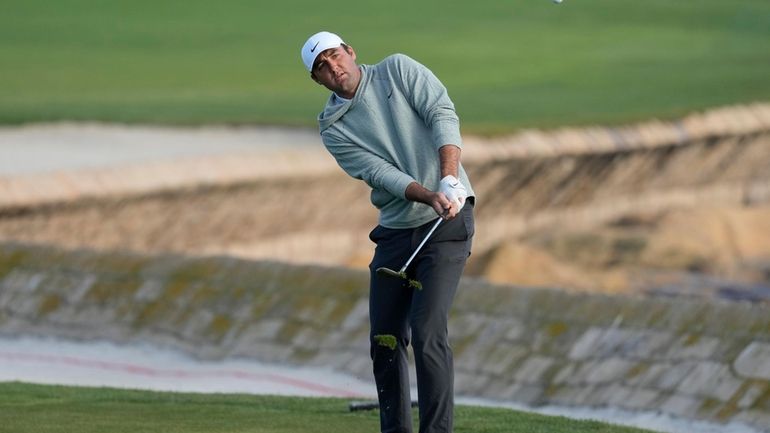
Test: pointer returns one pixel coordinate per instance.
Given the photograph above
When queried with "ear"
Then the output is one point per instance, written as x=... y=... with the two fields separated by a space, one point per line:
x=351 y=51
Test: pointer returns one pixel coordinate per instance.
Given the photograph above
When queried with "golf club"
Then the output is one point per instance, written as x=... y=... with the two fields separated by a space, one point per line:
x=402 y=272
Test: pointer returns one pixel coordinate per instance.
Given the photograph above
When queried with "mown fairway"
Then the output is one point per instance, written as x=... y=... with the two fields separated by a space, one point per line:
x=507 y=64
x=26 y=408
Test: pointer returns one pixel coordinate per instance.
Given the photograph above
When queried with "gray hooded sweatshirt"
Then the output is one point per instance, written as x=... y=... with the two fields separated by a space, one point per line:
x=389 y=134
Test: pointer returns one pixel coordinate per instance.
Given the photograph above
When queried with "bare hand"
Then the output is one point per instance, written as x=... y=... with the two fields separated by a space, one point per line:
x=444 y=207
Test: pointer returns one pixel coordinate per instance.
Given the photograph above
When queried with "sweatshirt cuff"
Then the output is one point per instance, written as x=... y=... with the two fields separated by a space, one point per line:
x=444 y=134
x=397 y=185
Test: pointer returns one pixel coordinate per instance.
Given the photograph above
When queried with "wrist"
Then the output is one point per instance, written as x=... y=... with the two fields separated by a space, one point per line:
x=449 y=179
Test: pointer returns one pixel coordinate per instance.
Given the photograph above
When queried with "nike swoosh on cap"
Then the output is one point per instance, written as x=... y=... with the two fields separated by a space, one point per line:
x=314 y=46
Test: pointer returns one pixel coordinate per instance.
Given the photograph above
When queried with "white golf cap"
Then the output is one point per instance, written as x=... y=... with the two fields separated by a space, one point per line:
x=316 y=44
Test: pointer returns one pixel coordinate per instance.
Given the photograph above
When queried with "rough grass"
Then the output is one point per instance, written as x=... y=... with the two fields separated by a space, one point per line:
x=507 y=64
x=26 y=408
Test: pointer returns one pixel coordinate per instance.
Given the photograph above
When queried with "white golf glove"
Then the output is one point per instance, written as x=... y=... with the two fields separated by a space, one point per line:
x=453 y=190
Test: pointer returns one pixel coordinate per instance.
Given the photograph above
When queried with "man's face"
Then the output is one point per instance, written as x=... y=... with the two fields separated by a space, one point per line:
x=336 y=69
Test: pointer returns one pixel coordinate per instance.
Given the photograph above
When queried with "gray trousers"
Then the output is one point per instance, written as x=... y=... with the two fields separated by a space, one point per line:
x=395 y=309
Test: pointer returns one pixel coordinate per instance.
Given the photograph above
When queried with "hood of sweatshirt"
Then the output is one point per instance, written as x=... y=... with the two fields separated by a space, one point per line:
x=335 y=109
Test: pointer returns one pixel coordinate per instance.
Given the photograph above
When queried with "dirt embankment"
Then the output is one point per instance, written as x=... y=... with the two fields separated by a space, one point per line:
x=610 y=209
x=719 y=251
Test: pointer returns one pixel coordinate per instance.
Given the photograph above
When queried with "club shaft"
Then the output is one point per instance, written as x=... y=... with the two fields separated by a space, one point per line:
x=419 y=247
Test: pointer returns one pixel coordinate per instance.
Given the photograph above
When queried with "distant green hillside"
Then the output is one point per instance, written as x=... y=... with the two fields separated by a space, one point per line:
x=26 y=408
x=508 y=65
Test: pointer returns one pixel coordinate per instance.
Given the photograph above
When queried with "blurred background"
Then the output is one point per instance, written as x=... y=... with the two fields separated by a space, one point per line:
x=620 y=151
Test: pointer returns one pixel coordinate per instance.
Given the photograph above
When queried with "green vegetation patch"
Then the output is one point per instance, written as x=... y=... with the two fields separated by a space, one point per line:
x=108 y=289
x=49 y=304
x=220 y=325
x=10 y=260
x=555 y=329
x=59 y=409
x=386 y=340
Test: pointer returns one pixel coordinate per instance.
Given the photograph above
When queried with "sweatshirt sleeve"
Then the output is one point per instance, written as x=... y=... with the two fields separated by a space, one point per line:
x=429 y=98
x=361 y=164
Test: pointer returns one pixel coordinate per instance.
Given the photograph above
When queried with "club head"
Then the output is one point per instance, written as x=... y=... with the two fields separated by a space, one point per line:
x=390 y=273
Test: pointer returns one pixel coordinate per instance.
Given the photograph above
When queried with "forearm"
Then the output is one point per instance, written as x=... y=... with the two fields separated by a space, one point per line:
x=418 y=193
x=449 y=158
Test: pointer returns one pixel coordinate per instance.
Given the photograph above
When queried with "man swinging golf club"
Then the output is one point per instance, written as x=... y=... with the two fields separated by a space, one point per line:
x=393 y=126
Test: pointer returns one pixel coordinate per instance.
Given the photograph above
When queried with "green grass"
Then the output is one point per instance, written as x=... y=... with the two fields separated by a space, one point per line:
x=507 y=65
x=26 y=408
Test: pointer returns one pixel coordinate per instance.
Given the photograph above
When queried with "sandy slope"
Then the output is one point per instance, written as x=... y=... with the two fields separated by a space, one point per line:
x=258 y=205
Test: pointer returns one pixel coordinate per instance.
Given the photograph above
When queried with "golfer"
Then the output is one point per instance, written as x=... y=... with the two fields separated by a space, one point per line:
x=393 y=126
